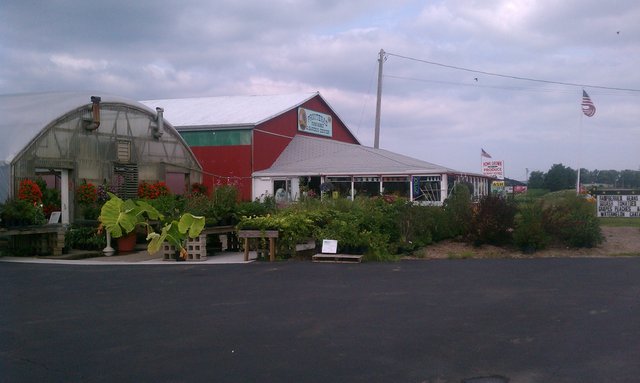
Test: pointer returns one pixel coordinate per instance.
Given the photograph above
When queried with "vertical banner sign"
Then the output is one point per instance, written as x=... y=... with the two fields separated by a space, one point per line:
x=315 y=122
x=619 y=206
x=493 y=169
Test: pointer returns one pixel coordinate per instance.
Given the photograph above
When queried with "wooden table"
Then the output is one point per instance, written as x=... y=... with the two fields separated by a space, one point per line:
x=49 y=239
x=271 y=234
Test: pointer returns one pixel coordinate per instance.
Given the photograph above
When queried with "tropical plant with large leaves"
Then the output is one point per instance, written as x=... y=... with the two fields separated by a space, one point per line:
x=176 y=233
x=120 y=217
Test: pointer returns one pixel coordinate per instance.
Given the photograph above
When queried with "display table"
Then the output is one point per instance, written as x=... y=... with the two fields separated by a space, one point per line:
x=44 y=239
x=271 y=234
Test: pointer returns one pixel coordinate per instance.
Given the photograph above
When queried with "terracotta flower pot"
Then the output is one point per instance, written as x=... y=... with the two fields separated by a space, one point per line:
x=127 y=242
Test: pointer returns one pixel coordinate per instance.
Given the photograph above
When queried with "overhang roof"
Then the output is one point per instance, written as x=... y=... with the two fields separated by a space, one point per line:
x=306 y=156
x=26 y=116
x=227 y=111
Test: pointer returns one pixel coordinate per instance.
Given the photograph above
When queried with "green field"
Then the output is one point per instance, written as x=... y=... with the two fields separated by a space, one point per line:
x=620 y=222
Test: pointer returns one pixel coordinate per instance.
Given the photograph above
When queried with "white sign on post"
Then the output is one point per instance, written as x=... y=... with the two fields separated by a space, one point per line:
x=493 y=169
x=329 y=246
x=618 y=206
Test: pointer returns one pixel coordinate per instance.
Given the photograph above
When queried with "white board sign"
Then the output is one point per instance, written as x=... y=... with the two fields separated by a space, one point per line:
x=618 y=206
x=493 y=169
x=329 y=246
x=55 y=217
x=310 y=121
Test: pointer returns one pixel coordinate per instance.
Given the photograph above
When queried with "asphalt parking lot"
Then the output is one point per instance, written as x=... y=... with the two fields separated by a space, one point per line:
x=532 y=320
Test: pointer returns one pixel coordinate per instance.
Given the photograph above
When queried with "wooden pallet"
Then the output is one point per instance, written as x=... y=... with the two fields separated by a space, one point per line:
x=337 y=258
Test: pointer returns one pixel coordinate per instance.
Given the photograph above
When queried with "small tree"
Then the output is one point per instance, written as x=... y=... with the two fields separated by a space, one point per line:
x=458 y=210
x=493 y=221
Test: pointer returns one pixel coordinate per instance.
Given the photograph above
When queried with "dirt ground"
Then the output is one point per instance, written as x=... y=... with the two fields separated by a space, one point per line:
x=620 y=241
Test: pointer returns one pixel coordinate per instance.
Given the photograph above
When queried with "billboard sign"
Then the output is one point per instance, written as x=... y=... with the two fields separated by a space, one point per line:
x=313 y=122
x=619 y=206
x=493 y=169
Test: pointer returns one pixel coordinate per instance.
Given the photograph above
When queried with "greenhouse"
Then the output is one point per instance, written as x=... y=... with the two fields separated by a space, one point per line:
x=73 y=139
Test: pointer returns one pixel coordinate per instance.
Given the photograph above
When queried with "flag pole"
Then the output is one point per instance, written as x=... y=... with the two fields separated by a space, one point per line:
x=579 y=153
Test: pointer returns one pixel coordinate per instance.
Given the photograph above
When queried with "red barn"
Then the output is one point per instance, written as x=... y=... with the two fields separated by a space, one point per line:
x=235 y=136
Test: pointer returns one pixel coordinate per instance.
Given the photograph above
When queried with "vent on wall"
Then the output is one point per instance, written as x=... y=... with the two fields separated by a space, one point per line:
x=124 y=151
x=126 y=180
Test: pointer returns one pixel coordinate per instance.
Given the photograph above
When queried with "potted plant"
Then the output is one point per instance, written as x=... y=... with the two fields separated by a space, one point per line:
x=120 y=218
x=176 y=233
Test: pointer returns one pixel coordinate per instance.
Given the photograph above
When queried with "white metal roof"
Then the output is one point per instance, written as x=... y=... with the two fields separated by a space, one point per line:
x=211 y=112
x=25 y=116
x=317 y=156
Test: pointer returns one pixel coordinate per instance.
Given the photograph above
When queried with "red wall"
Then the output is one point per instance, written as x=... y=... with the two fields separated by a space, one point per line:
x=267 y=147
x=238 y=162
x=219 y=162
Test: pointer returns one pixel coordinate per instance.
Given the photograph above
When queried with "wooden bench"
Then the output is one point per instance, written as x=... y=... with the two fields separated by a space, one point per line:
x=337 y=258
x=271 y=234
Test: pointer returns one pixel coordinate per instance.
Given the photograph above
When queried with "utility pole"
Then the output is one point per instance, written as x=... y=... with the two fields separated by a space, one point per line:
x=381 y=59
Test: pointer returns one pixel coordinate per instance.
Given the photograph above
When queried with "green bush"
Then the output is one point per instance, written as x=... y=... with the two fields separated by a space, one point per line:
x=458 y=211
x=493 y=221
x=17 y=212
x=170 y=206
x=529 y=234
x=572 y=220
x=84 y=238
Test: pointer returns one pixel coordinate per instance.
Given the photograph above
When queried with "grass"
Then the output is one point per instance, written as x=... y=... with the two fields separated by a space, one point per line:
x=619 y=222
x=625 y=255
x=462 y=255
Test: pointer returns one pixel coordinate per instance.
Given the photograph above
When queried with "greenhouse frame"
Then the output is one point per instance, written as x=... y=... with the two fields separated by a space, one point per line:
x=77 y=137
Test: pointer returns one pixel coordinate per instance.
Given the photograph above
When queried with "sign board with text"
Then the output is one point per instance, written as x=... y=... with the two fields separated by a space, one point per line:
x=493 y=169
x=618 y=206
x=310 y=121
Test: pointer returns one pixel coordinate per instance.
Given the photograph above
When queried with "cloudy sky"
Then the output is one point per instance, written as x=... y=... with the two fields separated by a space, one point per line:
x=459 y=75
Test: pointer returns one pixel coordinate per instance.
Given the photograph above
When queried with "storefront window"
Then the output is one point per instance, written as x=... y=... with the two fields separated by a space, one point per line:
x=427 y=188
x=366 y=186
x=398 y=186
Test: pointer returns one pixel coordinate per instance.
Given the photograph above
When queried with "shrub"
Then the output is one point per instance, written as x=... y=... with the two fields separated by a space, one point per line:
x=225 y=202
x=18 y=212
x=572 y=220
x=256 y=208
x=170 y=206
x=458 y=210
x=529 y=234
x=29 y=191
x=86 y=194
x=85 y=238
x=148 y=190
x=493 y=220
x=199 y=188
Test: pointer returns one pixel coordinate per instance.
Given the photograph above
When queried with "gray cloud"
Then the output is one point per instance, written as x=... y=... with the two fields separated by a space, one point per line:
x=163 y=49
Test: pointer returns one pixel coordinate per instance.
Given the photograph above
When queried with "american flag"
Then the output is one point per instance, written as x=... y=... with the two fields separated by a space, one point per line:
x=587 y=105
x=484 y=154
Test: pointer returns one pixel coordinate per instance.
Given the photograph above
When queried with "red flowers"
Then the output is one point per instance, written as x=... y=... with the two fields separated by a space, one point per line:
x=30 y=191
x=87 y=193
x=152 y=191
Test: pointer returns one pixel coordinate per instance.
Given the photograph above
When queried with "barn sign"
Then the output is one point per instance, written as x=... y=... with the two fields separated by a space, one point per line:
x=314 y=122
x=618 y=206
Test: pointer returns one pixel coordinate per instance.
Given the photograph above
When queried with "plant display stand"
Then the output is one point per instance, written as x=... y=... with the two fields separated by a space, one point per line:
x=42 y=240
x=248 y=234
x=337 y=258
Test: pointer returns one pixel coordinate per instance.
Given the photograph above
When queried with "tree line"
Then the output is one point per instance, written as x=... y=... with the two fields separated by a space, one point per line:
x=560 y=177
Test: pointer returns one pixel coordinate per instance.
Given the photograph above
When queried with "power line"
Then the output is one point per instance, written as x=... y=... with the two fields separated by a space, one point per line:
x=511 y=77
